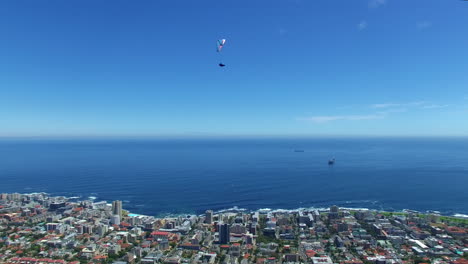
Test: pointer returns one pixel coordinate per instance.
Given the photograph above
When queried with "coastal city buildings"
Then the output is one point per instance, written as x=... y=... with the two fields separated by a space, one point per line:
x=209 y=217
x=224 y=233
x=40 y=229
x=117 y=208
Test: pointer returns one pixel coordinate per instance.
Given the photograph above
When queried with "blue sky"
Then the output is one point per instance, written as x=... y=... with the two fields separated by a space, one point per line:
x=294 y=67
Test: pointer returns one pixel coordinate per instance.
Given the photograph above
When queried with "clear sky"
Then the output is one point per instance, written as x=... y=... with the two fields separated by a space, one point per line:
x=294 y=67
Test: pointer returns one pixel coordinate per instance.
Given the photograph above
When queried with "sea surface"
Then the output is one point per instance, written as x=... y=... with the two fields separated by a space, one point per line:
x=171 y=176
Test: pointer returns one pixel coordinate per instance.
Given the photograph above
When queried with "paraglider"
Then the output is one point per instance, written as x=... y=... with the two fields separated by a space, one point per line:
x=220 y=45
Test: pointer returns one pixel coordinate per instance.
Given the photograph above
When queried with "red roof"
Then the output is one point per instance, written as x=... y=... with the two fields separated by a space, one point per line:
x=124 y=245
x=461 y=261
x=26 y=259
x=160 y=233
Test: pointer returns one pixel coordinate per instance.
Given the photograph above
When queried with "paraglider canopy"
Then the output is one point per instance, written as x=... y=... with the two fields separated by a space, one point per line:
x=221 y=65
x=221 y=43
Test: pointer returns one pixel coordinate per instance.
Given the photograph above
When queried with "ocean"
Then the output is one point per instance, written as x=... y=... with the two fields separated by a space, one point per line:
x=173 y=176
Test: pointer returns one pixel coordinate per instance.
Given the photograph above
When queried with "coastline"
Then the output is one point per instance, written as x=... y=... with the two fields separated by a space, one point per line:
x=259 y=210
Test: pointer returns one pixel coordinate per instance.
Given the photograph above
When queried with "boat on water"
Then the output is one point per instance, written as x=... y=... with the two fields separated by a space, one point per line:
x=298 y=150
x=331 y=162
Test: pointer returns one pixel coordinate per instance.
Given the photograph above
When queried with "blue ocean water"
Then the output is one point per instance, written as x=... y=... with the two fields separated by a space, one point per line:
x=155 y=177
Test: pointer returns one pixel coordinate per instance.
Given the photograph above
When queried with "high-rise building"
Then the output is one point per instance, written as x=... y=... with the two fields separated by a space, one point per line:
x=54 y=206
x=238 y=229
x=88 y=229
x=224 y=233
x=117 y=208
x=334 y=212
x=115 y=220
x=209 y=217
x=102 y=230
x=334 y=209
x=253 y=228
x=14 y=196
x=51 y=226
x=249 y=239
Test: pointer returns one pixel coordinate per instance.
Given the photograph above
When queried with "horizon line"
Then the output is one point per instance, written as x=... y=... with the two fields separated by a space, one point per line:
x=217 y=136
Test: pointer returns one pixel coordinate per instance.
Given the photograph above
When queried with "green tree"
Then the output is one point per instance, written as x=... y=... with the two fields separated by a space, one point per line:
x=417 y=260
x=122 y=253
x=112 y=257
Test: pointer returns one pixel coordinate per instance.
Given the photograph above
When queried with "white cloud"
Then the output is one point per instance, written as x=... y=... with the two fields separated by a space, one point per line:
x=390 y=105
x=382 y=111
x=434 y=106
x=395 y=110
x=376 y=3
x=423 y=25
x=416 y=103
x=385 y=105
x=362 y=25
x=404 y=107
x=324 y=119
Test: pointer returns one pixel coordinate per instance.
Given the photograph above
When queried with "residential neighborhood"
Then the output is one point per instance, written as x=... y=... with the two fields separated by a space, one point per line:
x=41 y=229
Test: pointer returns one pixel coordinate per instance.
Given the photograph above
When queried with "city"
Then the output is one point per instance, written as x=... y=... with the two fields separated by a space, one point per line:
x=41 y=229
